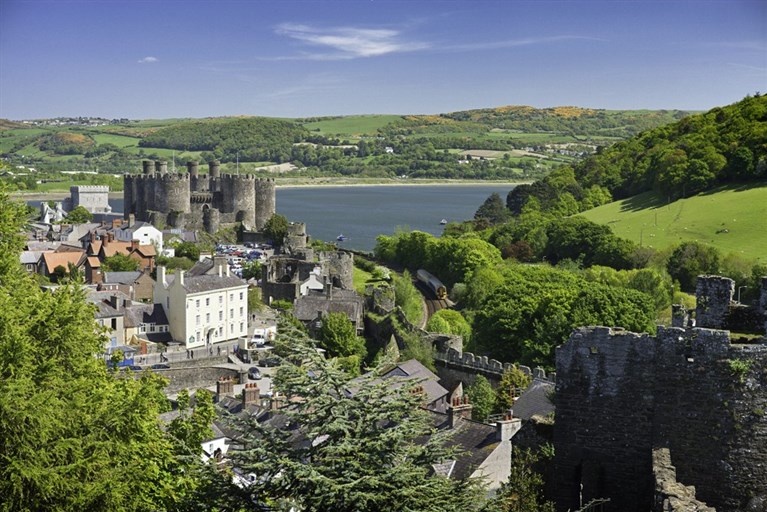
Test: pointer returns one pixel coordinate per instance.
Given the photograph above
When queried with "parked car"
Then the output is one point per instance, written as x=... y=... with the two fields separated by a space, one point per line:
x=135 y=368
x=270 y=362
x=160 y=366
x=254 y=373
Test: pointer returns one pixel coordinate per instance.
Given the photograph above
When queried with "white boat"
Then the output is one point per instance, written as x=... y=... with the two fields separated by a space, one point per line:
x=341 y=237
x=443 y=222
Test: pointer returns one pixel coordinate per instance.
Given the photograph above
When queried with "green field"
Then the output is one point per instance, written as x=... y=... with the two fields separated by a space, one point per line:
x=121 y=141
x=732 y=218
x=351 y=125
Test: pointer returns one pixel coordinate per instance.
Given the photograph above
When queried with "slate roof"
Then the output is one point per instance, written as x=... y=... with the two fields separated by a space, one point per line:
x=199 y=284
x=101 y=300
x=414 y=370
x=534 y=400
x=474 y=441
x=200 y=268
x=138 y=314
x=30 y=257
x=121 y=277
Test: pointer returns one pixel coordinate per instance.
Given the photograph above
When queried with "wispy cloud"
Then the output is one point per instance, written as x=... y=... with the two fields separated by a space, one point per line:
x=148 y=60
x=348 y=42
x=511 y=43
x=312 y=84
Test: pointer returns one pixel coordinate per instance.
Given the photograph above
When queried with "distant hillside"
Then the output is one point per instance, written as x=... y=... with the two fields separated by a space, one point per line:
x=255 y=138
x=5 y=124
x=571 y=120
x=700 y=152
x=731 y=218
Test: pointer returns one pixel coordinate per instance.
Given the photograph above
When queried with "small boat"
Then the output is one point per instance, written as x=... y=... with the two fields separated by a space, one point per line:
x=443 y=222
x=341 y=237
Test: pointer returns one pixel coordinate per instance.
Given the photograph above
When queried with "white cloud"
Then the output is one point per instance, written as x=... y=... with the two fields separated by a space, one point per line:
x=349 y=42
x=148 y=60
x=511 y=43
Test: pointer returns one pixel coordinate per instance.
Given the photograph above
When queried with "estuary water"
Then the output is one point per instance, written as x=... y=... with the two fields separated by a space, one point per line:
x=361 y=213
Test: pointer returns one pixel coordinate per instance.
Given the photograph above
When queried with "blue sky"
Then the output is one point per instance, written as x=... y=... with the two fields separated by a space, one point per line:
x=159 y=59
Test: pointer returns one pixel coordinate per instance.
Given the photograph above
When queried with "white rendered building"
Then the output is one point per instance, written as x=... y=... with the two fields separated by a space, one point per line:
x=203 y=310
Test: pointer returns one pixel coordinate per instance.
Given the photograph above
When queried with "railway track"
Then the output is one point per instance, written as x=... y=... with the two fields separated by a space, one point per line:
x=433 y=304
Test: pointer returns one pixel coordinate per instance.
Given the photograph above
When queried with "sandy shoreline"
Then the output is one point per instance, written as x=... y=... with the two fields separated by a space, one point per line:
x=319 y=183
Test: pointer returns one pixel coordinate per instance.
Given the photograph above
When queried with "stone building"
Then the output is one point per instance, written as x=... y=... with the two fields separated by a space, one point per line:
x=94 y=198
x=192 y=200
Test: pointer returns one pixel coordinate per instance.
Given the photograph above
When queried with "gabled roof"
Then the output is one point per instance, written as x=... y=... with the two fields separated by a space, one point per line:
x=474 y=441
x=414 y=370
x=94 y=262
x=30 y=257
x=138 y=314
x=54 y=259
x=200 y=268
x=534 y=400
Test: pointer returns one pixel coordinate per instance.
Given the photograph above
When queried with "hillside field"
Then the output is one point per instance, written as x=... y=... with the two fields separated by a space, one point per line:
x=351 y=126
x=732 y=218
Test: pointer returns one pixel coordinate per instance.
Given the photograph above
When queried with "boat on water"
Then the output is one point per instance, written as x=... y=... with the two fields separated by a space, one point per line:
x=342 y=238
x=443 y=222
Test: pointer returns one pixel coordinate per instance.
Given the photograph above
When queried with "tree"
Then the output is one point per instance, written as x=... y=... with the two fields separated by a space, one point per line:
x=691 y=259
x=339 y=337
x=523 y=492
x=352 y=445
x=75 y=435
x=482 y=397
x=119 y=263
x=79 y=215
x=512 y=381
x=251 y=270
x=492 y=210
x=188 y=250
x=276 y=228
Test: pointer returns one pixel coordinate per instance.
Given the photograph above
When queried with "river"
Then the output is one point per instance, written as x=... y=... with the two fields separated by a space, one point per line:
x=363 y=212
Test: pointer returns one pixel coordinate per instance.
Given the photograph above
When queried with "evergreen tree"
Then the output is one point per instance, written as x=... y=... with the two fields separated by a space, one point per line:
x=350 y=445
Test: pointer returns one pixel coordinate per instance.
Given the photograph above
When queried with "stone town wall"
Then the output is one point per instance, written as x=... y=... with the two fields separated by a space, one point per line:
x=670 y=495
x=454 y=366
x=621 y=394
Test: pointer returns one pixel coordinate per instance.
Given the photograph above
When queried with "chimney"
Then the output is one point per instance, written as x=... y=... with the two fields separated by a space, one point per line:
x=116 y=223
x=93 y=236
x=134 y=245
x=110 y=237
x=329 y=290
x=251 y=395
x=115 y=302
x=506 y=427
x=459 y=409
x=131 y=220
x=276 y=402
x=181 y=277
x=161 y=276
x=219 y=262
x=224 y=387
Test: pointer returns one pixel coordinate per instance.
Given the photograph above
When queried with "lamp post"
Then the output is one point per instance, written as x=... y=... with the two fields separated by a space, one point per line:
x=739 y=289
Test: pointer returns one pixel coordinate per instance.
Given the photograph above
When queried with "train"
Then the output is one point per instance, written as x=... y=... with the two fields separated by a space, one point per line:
x=434 y=284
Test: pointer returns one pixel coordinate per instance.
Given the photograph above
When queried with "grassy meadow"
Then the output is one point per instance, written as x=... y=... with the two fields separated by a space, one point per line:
x=731 y=218
x=351 y=126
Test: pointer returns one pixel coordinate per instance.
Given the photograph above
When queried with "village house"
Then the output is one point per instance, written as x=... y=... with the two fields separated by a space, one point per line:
x=203 y=310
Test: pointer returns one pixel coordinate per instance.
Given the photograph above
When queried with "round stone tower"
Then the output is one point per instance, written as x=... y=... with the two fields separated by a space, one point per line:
x=177 y=193
x=265 y=201
x=210 y=219
x=214 y=169
x=148 y=167
x=161 y=167
x=240 y=192
x=340 y=267
x=129 y=205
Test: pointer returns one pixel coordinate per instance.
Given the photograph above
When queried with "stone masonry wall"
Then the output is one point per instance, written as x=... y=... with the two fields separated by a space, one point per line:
x=620 y=395
x=713 y=294
x=670 y=495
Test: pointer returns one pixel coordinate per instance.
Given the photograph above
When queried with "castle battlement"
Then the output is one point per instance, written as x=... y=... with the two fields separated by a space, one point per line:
x=188 y=200
x=89 y=188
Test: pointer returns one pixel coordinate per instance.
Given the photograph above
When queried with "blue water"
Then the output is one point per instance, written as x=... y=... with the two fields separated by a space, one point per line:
x=362 y=213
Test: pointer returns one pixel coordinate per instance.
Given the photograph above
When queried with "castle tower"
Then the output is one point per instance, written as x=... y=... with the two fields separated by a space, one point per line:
x=240 y=198
x=214 y=169
x=177 y=198
x=340 y=268
x=713 y=296
x=149 y=167
x=161 y=167
x=128 y=195
x=265 y=201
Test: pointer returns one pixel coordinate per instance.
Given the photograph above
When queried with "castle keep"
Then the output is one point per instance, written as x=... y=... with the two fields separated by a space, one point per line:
x=197 y=201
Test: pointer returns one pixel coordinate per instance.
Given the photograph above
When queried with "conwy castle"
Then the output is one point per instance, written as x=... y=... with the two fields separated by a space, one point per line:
x=197 y=201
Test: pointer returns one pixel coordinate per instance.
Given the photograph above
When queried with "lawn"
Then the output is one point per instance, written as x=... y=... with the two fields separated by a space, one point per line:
x=121 y=141
x=731 y=218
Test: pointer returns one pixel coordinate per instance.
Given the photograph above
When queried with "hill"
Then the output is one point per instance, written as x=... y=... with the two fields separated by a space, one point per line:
x=732 y=218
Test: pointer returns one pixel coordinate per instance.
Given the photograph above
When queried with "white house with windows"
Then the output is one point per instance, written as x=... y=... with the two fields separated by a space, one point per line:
x=203 y=310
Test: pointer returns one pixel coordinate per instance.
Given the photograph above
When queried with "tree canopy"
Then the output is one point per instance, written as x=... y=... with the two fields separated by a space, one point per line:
x=76 y=436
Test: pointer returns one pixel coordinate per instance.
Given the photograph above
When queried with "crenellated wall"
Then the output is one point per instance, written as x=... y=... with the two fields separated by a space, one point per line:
x=185 y=200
